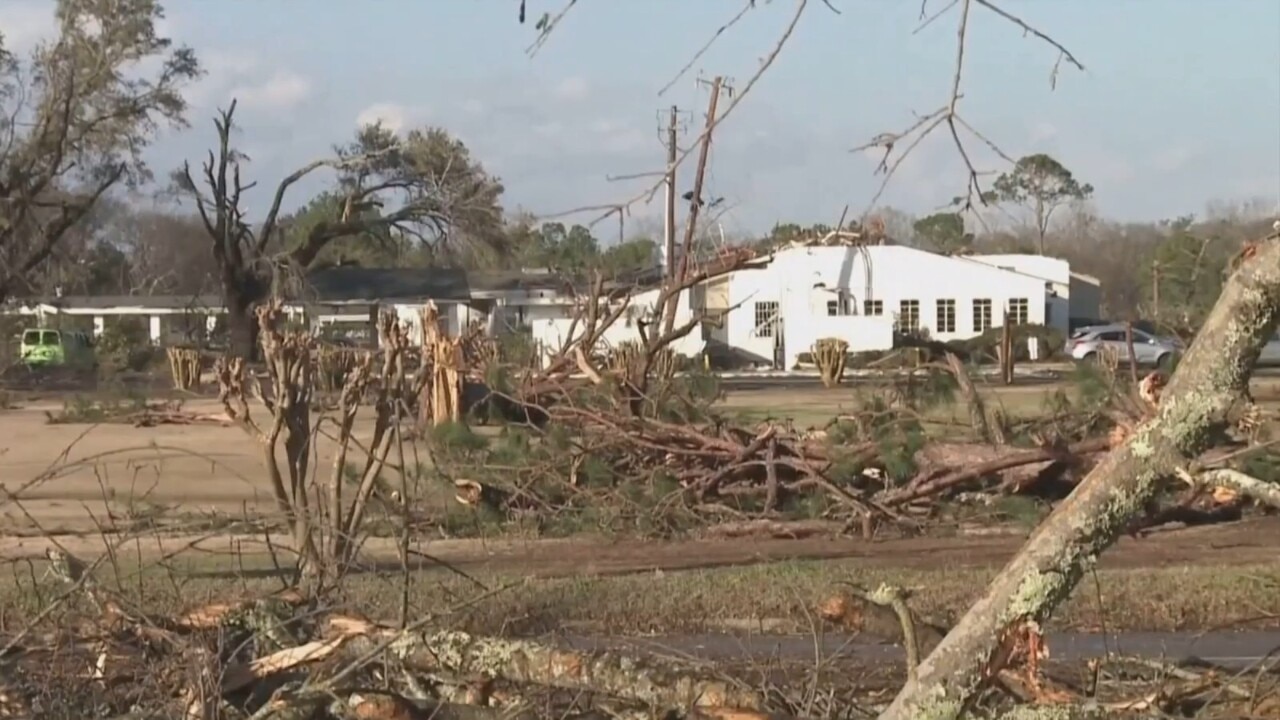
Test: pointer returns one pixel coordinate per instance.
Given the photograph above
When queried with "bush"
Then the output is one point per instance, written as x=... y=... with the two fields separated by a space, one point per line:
x=125 y=345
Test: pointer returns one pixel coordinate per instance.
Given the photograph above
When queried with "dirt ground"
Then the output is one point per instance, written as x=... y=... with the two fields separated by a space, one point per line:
x=1247 y=543
x=76 y=479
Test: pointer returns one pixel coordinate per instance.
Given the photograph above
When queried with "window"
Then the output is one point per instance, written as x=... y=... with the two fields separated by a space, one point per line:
x=1018 y=311
x=873 y=307
x=908 y=316
x=946 y=316
x=840 y=305
x=981 y=315
x=766 y=319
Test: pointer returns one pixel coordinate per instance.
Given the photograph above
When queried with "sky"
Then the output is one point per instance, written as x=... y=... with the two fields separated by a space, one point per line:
x=1179 y=105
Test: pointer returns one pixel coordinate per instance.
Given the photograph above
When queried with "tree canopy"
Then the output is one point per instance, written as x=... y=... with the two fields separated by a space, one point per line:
x=943 y=232
x=1040 y=185
x=77 y=116
x=423 y=191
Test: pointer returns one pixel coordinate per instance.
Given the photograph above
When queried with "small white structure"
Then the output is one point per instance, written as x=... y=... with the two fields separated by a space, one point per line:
x=169 y=319
x=543 y=307
x=552 y=330
x=861 y=294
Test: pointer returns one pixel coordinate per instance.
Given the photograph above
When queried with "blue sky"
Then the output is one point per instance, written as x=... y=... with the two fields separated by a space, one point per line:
x=1179 y=105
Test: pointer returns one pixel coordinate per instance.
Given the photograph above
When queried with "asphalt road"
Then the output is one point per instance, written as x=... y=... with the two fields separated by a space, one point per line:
x=1235 y=650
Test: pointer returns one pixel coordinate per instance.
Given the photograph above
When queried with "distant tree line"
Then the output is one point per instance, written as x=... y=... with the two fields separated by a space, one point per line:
x=71 y=218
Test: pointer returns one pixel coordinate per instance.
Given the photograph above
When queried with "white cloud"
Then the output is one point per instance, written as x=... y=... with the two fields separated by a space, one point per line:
x=572 y=89
x=223 y=70
x=394 y=116
x=282 y=90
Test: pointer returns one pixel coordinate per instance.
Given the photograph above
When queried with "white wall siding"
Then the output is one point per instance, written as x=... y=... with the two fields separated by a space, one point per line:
x=552 y=325
x=1055 y=271
x=885 y=278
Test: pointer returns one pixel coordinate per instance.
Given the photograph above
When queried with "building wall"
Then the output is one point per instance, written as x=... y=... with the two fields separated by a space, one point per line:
x=1055 y=271
x=452 y=318
x=801 y=282
x=552 y=325
x=1086 y=297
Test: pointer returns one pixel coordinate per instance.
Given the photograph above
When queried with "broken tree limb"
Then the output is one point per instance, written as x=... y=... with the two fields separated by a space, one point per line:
x=932 y=486
x=1204 y=388
x=991 y=432
x=894 y=598
x=650 y=681
x=1251 y=487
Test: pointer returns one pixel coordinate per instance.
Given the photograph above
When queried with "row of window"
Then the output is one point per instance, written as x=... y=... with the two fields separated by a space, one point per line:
x=908 y=317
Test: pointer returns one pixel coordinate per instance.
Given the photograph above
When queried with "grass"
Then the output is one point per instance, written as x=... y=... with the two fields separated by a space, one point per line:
x=774 y=597
x=814 y=407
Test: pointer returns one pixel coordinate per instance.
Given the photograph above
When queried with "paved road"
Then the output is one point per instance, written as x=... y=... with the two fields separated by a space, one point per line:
x=1235 y=650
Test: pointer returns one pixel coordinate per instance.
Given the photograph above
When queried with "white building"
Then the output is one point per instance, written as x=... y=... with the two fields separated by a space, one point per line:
x=860 y=294
x=1071 y=295
x=543 y=307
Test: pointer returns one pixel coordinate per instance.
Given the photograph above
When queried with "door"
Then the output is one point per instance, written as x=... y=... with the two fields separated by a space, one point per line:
x=1145 y=348
x=1117 y=342
x=779 y=346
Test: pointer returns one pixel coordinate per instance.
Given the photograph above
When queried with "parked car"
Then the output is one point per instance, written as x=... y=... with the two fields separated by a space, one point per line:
x=1088 y=344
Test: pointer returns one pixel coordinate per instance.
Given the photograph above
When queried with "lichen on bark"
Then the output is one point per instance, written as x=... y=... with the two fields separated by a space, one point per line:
x=644 y=680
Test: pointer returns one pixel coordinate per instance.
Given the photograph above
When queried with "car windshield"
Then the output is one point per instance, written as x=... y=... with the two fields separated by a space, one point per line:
x=37 y=337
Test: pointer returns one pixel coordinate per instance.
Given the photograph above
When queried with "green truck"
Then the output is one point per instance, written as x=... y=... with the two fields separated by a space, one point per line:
x=50 y=347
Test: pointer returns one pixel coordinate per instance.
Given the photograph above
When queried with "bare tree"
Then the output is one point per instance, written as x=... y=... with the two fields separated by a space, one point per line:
x=75 y=118
x=424 y=187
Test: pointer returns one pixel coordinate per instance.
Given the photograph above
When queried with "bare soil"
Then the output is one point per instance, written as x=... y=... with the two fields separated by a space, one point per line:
x=72 y=480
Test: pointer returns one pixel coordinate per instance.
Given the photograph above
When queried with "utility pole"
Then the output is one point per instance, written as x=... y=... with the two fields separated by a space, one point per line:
x=695 y=204
x=1155 y=288
x=669 y=221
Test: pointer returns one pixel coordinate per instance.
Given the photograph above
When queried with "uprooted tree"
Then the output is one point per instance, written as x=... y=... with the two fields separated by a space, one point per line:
x=75 y=119
x=423 y=189
x=1207 y=394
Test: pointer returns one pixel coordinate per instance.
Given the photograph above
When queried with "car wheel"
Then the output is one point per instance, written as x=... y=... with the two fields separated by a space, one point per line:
x=1091 y=358
x=1164 y=362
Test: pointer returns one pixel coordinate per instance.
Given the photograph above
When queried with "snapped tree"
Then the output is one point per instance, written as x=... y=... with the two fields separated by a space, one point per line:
x=1041 y=185
x=1209 y=384
x=75 y=119
x=424 y=188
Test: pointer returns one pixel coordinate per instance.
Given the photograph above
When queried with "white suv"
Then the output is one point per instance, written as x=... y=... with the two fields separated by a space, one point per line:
x=1088 y=344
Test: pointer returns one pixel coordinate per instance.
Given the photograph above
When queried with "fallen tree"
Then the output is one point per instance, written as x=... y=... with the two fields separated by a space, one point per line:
x=1210 y=382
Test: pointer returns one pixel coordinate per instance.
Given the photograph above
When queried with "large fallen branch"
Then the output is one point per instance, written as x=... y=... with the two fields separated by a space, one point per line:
x=650 y=681
x=1210 y=380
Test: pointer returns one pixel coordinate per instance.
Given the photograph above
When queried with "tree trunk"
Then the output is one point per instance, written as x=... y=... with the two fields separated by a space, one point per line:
x=242 y=324
x=242 y=329
x=1211 y=379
